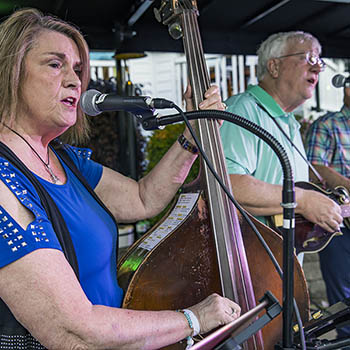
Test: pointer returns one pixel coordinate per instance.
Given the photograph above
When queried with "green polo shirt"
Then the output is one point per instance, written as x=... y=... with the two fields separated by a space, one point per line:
x=245 y=153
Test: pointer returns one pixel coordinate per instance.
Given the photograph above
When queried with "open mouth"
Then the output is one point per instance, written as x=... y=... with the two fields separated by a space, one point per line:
x=312 y=81
x=70 y=101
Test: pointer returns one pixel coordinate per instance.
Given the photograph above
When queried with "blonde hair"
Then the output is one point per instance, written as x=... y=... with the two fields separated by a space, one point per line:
x=276 y=44
x=18 y=34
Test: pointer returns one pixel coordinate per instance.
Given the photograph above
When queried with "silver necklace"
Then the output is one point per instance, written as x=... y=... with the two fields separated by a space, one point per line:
x=54 y=178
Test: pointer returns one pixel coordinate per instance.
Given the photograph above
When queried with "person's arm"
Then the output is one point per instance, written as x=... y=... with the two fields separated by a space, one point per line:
x=129 y=200
x=331 y=177
x=259 y=198
x=263 y=199
x=44 y=295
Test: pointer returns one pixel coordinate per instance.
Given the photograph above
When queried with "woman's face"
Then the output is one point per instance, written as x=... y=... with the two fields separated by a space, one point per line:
x=51 y=86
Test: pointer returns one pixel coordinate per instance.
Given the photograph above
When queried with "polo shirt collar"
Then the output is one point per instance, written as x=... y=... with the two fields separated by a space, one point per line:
x=266 y=100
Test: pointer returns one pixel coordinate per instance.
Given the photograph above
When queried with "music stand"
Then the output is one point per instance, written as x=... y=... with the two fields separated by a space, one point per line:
x=336 y=315
x=238 y=331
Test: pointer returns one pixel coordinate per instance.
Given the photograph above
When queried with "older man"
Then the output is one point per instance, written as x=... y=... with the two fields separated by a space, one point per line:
x=328 y=149
x=288 y=69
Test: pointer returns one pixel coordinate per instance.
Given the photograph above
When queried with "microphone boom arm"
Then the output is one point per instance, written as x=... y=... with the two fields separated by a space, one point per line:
x=288 y=204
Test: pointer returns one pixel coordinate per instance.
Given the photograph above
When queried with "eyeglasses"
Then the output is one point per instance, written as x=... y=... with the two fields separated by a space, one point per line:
x=311 y=59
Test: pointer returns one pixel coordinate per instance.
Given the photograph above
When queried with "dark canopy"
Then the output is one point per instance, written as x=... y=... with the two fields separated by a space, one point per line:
x=227 y=26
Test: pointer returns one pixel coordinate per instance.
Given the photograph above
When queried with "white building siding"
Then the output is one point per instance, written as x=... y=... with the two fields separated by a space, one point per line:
x=165 y=75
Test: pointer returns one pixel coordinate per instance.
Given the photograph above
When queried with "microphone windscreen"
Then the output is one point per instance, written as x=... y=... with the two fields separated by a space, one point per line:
x=338 y=81
x=87 y=102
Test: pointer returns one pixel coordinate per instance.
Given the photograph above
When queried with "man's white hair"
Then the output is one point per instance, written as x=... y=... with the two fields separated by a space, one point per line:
x=276 y=44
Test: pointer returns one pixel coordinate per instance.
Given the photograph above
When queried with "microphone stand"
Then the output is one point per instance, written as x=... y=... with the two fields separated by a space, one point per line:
x=288 y=201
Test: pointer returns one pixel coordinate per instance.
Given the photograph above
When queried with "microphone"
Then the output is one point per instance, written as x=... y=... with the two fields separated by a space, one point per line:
x=93 y=102
x=340 y=81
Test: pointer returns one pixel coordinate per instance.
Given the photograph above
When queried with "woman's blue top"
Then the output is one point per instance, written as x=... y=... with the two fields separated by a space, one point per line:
x=93 y=231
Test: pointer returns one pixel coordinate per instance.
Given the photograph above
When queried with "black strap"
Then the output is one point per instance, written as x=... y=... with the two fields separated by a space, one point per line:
x=317 y=174
x=10 y=329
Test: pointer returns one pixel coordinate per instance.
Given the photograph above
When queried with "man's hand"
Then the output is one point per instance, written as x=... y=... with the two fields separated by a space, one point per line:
x=319 y=209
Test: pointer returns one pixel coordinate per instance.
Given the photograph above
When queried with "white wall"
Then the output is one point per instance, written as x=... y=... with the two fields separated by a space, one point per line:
x=156 y=72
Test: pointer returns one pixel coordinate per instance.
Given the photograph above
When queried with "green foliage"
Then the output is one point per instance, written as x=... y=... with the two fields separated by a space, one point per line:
x=157 y=146
x=160 y=142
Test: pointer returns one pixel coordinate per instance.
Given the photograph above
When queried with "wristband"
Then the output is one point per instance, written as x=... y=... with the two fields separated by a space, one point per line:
x=194 y=320
x=194 y=325
x=187 y=145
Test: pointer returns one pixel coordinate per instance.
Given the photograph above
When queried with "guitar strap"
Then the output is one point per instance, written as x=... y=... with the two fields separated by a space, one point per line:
x=317 y=174
x=338 y=193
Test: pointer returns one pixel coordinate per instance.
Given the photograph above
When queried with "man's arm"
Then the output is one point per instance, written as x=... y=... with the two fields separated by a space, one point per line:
x=263 y=199
x=332 y=177
x=257 y=197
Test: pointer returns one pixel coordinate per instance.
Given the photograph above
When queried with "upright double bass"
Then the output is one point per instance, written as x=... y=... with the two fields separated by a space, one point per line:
x=199 y=247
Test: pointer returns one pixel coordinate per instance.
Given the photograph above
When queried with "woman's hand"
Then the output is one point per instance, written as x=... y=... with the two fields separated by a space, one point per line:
x=215 y=311
x=212 y=99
